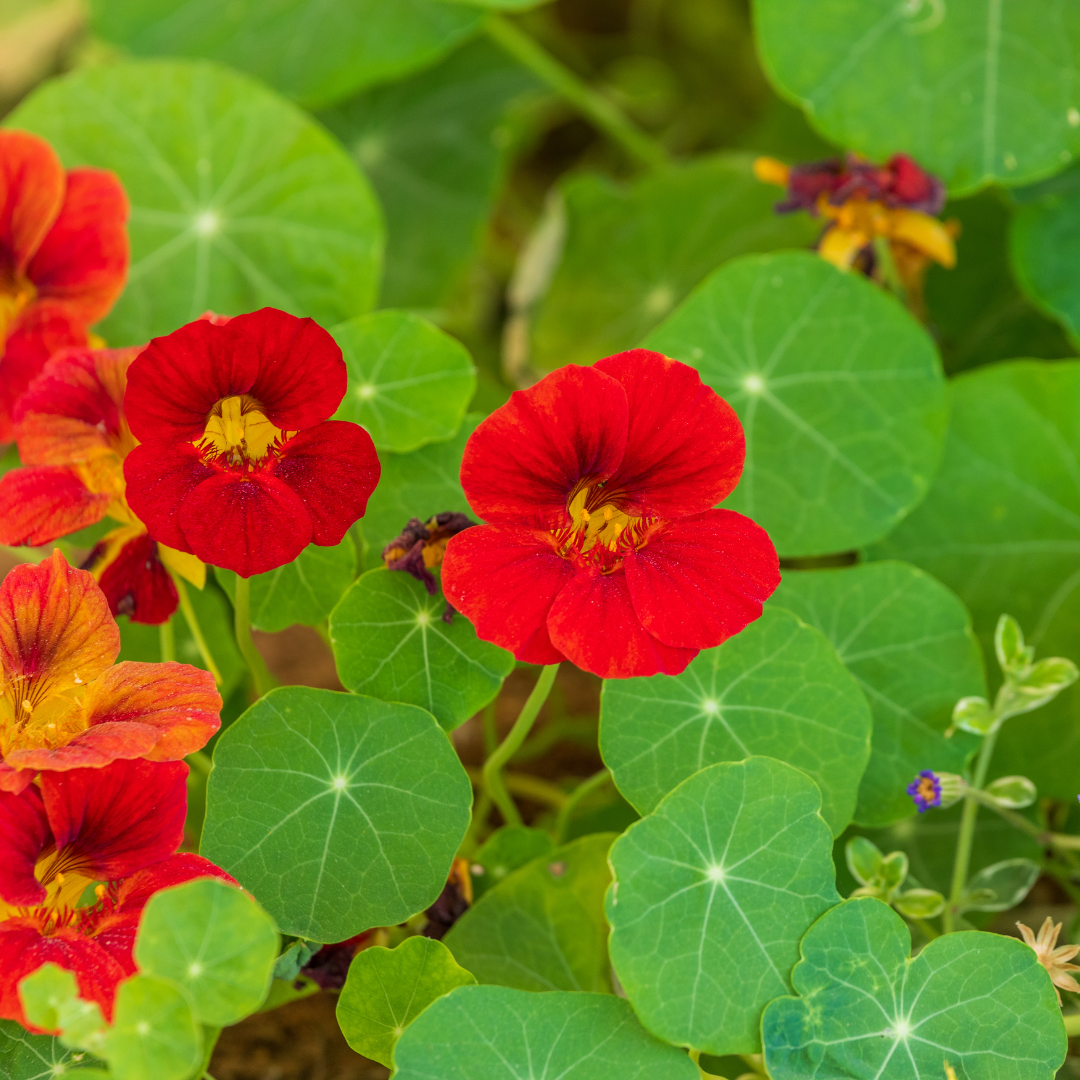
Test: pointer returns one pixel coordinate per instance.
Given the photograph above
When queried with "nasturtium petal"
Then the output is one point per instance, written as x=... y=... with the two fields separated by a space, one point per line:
x=631 y=254
x=839 y=390
x=490 y=1032
x=316 y=54
x=338 y=812
x=981 y=1002
x=387 y=989
x=908 y=642
x=40 y=1057
x=238 y=199
x=543 y=926
x=409 y=382
x=777 y=689
x=214 y=941
x=712 y=892
x=303 y=591
x=390 y=641
x=975 y=90
x=1001 y=528
x=154 y=1032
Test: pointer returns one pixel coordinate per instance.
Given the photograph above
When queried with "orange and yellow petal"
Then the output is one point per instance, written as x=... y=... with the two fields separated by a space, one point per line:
x=770 y=171
x=184 y=565
x=839 y=246
x=38 y=505
x=924 y=233
x=32 y=187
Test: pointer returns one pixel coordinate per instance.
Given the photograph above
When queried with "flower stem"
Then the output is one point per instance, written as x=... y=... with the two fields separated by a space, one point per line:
x=526 y=786
x=962 y=859
x=201 y=762
x=1072 y=1024
x=242 y=623
x=593 y=105
x=168 y=641
x=581 y=792
x=493 y=780
x=192 y=620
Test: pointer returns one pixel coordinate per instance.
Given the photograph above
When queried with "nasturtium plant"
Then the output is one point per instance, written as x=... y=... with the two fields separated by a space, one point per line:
x=41 y=1057
x=338 y=812
x=154 y=1032
x=504 y=851
x=775 y=690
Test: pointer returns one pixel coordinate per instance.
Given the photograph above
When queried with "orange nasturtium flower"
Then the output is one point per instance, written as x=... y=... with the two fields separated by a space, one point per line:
x=64 y=704
x=63 y=258
x=73 y=438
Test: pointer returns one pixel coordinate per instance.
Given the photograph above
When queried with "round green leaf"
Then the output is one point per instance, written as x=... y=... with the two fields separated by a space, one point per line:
x=632 y=254
x=154 y=1032
x=39 y=1057
x=839 y=390
x=316 y=53
x=238 y=199
x=777 y=689
x=543 y=927
x=908 y=641
x=409 y=383
x=504 y=851
x=492 y=1032
x=303 y=591
x=390 y=641
x=213 y=940
x=981 y=1002
x=337 y=812
x=387 y=989
x=712 y=892
x=1001 y=528
x=975 y=90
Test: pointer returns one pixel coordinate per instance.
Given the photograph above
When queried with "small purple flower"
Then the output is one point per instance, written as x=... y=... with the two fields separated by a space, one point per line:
x=925 y=789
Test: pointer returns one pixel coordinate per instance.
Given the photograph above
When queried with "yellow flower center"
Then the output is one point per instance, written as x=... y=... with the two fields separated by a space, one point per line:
x=601 y=532
x=34 y=718
x=239 y=432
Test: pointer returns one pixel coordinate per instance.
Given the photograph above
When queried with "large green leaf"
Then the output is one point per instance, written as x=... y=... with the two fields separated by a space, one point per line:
x=909 y=643
x=303 y=591
x=507 y=849
x=238 y=199
x=37 y=1057
x=338 y=812
x=777 y=689
x=436 y=148
x=391 y=642
x=975 y=90
x=409 y=383
x=543 y=927
x=154 y=1032
x=316 y=53
x=493 y=1033
x=839 y=390
x=981 y=1002
x=215 y=942
x=713 y=891
x=387 y=989
x=1001 y=528
x=633 y=253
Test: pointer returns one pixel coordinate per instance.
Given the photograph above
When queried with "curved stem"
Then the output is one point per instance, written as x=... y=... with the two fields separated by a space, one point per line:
x=493 y=780
x=188 y=611
x=242 y=624
x=168 y=641
x=594 y=106
x=580 y=793
x=524 y=785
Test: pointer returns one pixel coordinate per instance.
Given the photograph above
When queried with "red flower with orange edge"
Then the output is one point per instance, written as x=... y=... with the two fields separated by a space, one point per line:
x=118 y=827
x=63 y=258
x=63 y=703
x=73 y=438
x=601 y=545
x=239 y=464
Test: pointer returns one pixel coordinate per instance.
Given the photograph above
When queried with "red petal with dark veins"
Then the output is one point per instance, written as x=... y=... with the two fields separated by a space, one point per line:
x=24 y=835
x=137 y=584
x=333 y=468
x=594 y=623
x=110 y=822
x=159 y=478
x=522 y=463
x=41 y=503
x=685 y=447
x=504 y=579
x=698 y=580
x=250 y=522
x=302 y=375
x=32 y=185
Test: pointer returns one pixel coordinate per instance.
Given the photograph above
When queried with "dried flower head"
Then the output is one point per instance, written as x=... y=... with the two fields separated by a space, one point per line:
x=1055 y=958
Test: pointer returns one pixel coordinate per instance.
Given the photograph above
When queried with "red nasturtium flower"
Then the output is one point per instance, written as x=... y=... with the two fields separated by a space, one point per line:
x=239 y=464
x=601 y=545
x=118 y=827
x=63 y=258
x=63 y=703
x=73 y=438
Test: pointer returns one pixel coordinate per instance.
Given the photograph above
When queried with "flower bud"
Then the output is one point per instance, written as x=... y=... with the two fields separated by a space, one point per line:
x=1012 y=792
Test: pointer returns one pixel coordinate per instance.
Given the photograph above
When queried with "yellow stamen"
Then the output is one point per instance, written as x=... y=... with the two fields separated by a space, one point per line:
x=770 y=171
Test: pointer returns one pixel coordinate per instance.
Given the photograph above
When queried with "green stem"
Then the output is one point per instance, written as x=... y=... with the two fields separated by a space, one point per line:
x=1059 y=841
x=491 y=732
x=481 y=809
x=168 y=641
x=200 y=762
x=188 y=611
x=242 y=613
x=1072 y=1024
x=580 y=793
x=493 y=780
x=593 y=105
x=962 y=859
x=526 y=786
